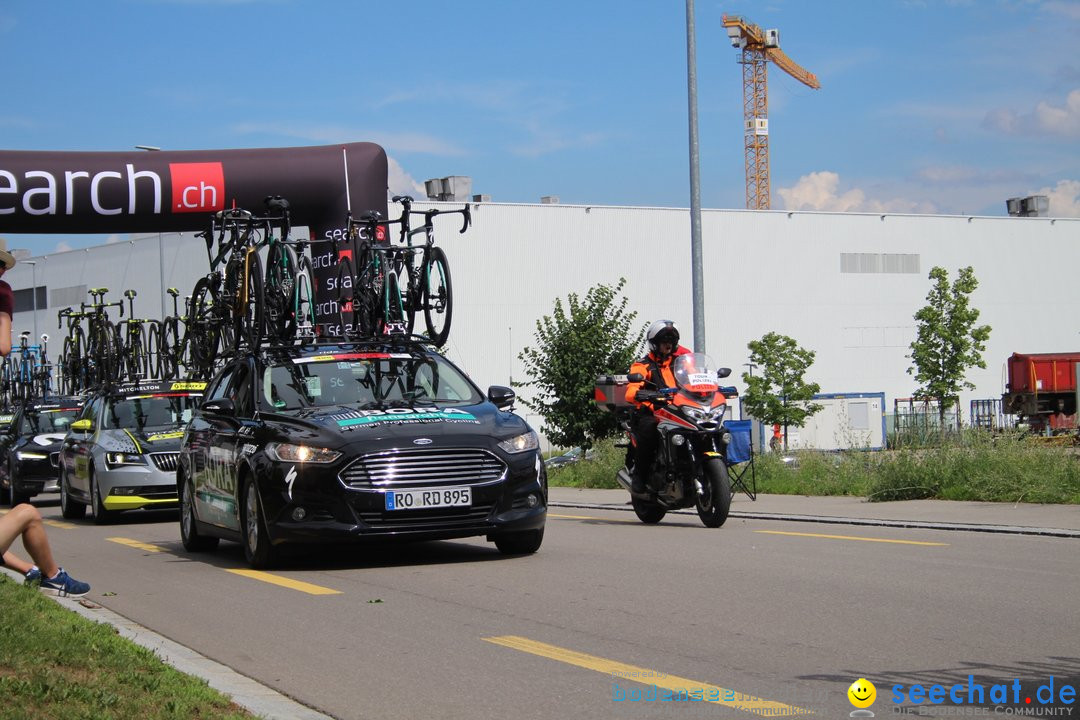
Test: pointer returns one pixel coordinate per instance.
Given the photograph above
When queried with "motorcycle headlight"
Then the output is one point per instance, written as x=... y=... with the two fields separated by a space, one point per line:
x=287 y=452
x=521 y=443
x=118 y=459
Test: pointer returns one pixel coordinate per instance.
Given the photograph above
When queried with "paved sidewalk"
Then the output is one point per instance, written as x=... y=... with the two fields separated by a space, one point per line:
x=1018 y=518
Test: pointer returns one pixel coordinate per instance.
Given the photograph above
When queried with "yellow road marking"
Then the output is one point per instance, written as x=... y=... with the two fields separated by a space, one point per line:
x=135 y=544
x=633 y=673
x=59 y=524
x=573 y=517
x=852 y=537
x=285 y=582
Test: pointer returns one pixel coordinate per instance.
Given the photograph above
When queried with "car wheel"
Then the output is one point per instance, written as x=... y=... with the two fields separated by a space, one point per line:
x=13 y=496
x=258 y=551
x=189 y=531
x=101 y=515
x=70 y=509
x=523 y=542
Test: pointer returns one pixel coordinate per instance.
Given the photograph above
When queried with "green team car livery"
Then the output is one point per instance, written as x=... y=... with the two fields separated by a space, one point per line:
x=340 y=443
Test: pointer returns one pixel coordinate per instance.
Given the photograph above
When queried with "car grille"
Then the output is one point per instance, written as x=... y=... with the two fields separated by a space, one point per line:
x=435 y=518
x=398 y=469
x=165 y=460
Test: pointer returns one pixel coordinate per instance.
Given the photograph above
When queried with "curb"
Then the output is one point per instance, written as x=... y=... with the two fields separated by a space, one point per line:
x=252 y=696
x=925 y=525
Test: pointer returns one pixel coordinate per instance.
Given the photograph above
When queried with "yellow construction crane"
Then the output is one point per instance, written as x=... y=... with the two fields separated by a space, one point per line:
x=759 y=46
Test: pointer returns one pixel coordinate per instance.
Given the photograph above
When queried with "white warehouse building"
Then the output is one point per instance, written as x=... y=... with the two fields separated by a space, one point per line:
x=845 y=285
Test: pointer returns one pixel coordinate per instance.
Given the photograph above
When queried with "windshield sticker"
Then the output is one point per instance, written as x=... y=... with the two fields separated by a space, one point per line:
x=351 y=356
x=6 y=418
x=314 y=385
x=188 y=386
x=166 y=436
x=404 y=416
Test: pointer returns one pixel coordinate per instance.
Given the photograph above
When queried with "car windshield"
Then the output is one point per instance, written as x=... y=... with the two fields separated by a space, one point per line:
x=367 y=379
x=157 y=411
x=48 y=421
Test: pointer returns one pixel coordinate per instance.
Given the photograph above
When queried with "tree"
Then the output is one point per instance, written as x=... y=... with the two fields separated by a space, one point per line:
x=779 y=394
x=948 y=343
x=591 y=336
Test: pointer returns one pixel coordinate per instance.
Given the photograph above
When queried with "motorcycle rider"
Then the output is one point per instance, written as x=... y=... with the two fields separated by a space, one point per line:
x=656 y=367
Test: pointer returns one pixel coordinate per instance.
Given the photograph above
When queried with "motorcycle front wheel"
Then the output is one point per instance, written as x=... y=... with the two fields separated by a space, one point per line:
x=649 y=513
x=714 y=505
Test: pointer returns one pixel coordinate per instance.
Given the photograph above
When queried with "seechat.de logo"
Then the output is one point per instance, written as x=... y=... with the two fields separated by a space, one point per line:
x=197 y=187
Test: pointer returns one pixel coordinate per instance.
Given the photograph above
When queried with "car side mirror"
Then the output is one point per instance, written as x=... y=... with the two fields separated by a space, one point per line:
x=82 y=426
x=723 y=372
x=502 y=397
x=221 y=406
x=635 y=378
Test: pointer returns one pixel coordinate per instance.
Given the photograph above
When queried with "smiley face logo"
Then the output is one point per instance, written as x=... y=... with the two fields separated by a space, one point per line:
x=862 y=693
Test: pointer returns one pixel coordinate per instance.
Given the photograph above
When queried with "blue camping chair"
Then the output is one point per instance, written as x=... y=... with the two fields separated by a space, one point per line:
x=740 y=452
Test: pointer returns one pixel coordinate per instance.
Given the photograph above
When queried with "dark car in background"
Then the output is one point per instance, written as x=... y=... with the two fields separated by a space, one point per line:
x=30 y=447
x=334 y=444
x=121 y=452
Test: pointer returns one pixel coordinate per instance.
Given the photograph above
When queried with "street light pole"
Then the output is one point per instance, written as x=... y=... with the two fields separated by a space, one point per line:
x=33 y=292
x=160 y=245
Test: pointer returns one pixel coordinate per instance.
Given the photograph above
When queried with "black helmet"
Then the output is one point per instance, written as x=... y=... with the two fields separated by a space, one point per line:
x=662 y=331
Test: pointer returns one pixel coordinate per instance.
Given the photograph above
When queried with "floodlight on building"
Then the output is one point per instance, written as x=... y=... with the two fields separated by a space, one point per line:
x=1030 y=206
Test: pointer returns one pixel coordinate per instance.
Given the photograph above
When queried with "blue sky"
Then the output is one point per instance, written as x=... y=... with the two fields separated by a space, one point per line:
x=935 y=106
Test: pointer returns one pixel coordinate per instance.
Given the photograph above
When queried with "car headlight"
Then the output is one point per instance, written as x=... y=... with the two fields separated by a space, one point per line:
x=521 y=443
x=121 y=458
x=24 y=455
x=287 y=452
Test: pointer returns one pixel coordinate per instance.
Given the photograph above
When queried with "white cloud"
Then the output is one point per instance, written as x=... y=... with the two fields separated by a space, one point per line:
x=819 y=191
x=400 y=182
x=114 y=238
x=1050 y=119
x=1064 y=198
x=1068 y=8
x=63 y=246
x=398 y=142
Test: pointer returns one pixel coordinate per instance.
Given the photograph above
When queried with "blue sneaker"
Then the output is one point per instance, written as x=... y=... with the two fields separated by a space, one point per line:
x=63 y=585
x=33 y=576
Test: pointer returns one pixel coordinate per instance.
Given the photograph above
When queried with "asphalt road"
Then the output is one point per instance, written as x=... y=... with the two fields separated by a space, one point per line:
x=764 y=615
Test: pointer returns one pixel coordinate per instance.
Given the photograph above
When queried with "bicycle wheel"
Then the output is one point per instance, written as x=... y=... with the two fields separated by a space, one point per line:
x=153 y=350
x=168 y=347
x=411 y=294
x=204 y=328
x=438 y=298
x=345 y=282
x=280 y=287
x=304 y=299
x=135 y=355
x=248 y=319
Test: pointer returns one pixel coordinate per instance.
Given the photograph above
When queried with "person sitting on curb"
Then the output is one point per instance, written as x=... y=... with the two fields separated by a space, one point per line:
x=25 y=520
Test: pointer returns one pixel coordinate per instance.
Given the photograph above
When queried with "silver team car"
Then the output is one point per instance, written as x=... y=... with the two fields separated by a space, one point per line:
x=121 y=453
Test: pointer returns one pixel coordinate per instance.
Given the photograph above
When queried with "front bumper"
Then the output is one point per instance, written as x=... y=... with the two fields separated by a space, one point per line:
x=132 y=487
x=508 y=498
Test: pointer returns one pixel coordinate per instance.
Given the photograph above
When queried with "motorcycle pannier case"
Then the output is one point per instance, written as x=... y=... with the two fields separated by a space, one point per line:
x=610 y=392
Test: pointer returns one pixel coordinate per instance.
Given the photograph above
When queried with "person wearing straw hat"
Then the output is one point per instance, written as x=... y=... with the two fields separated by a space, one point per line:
x=7 y=299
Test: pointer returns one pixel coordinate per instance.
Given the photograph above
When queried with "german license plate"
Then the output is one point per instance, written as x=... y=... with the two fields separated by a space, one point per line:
x=423 y=498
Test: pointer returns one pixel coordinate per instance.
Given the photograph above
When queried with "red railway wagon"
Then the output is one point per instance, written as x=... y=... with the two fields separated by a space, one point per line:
x=1037 y=382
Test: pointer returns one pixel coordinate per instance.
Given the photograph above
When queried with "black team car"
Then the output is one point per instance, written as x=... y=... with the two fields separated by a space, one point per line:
x=335 y=443
x=30 y=447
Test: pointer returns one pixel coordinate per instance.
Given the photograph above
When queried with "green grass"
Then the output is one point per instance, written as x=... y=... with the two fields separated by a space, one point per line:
x=974 y=465
x=55 y=663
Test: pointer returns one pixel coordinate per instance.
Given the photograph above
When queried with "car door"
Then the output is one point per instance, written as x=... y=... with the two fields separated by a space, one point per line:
x=212 y=499
x=75 y=452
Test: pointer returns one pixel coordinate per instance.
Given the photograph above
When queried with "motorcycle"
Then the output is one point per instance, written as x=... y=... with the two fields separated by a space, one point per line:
x=690 y=468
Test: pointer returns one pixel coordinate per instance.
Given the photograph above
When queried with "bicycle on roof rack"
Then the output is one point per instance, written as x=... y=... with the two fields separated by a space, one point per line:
x=173 y=346
x=288 y=289
x=138 y=349
x=102 y=356
x=381 y=288
x=226 y=305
